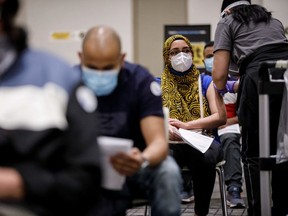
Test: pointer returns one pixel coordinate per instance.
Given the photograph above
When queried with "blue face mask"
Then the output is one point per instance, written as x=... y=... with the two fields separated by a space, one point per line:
x=101 y=82
x=209 y=64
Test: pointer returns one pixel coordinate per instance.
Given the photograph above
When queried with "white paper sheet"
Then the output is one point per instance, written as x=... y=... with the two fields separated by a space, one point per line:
x=229 y=129
x=109 y=146
x=196 y=140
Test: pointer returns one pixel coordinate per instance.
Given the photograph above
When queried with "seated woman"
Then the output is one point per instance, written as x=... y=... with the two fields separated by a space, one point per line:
x=191 y=109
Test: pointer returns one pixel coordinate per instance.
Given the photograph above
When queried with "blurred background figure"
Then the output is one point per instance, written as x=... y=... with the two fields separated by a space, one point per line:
x=48 y=154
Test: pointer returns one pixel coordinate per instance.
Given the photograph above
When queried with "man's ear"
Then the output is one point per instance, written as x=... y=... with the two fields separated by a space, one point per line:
x=122 y=59
x=80 y=55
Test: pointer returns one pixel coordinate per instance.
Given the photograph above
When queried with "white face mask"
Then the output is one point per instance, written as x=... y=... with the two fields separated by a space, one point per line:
x=181 y=62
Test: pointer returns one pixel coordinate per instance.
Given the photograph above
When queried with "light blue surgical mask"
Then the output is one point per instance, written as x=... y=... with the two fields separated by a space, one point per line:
x=102 y=82
x=209 y=64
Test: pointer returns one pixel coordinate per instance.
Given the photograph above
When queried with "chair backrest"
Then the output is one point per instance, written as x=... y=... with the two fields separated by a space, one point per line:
x=166 y=124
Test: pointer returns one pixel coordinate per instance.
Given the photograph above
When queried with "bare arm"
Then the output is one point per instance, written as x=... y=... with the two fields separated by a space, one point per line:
x=154 y=134
x=217 y=117
x=230 y=121
x=221 y=68
x=156 y=151
x=11 y=184
x=236 y=86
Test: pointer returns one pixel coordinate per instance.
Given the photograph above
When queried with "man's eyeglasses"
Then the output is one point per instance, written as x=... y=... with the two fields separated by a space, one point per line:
x=176 y=51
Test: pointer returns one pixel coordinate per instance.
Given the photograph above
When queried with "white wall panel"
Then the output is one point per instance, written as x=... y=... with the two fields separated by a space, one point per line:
x=279 y=9
x=42 y=17
x=207 y=11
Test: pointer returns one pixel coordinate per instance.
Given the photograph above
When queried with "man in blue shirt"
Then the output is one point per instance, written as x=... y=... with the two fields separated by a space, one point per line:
x=130 y=106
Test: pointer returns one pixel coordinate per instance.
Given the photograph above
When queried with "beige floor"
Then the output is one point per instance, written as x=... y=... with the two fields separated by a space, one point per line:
x=216 y=193
x=188 y=209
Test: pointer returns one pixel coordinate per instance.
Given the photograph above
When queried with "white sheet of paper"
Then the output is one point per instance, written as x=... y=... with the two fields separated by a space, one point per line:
x=166 y=118
x=229 y=129
x=196 y=140
x=109 y=146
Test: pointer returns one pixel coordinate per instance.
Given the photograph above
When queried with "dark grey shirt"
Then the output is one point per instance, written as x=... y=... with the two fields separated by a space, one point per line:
x=242 y=40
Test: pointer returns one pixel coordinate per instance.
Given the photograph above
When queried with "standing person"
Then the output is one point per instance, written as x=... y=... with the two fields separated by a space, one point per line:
x=230 y=137
x=247 y=35
x=182 y=96
x=48 y=154
x=130 y=106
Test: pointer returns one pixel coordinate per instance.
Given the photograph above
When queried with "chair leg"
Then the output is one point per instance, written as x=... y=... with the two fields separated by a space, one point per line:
x=146 y=210
x=142 y=202
x=220 y=172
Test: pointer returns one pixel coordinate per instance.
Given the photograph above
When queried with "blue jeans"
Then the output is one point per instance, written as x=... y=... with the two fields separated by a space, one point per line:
x=160 y=185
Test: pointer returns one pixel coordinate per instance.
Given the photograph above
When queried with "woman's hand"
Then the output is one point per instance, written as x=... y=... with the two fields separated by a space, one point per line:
x=178 y=124
x=174 y=134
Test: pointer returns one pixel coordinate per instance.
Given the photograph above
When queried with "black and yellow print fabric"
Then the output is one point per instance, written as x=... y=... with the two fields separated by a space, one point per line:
x=180 y=94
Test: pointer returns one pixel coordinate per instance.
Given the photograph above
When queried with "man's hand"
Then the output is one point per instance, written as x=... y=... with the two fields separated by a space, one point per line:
x=127 y=163
x=11 y=184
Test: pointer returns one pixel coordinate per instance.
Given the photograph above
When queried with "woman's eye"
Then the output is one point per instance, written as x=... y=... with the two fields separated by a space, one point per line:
x=186 y=51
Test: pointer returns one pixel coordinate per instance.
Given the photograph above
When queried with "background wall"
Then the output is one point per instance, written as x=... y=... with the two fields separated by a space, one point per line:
x=140 y=23
x=43 y=17
x=208 y=12
x=279 y=9
x=150 y=17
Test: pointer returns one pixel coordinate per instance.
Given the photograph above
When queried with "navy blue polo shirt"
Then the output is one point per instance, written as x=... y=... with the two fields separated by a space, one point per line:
x=136 y=96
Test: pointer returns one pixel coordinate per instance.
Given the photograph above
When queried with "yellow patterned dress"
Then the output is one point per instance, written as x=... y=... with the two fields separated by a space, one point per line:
x=180 y=94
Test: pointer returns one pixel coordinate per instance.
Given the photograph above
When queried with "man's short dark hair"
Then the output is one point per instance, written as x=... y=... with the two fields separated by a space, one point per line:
x=209 y=44
x=9 y=8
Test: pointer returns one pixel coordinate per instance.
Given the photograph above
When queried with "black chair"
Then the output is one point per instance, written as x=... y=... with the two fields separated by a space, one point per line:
x=220 y=171
x=142 y=202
